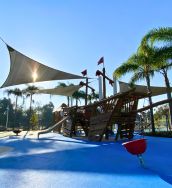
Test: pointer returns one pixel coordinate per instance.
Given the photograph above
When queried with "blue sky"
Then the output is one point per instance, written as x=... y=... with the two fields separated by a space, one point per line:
x=72 y=35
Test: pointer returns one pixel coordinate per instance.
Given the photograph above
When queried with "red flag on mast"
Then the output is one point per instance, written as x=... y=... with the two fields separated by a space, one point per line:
x=84 y=72
x=101 y=60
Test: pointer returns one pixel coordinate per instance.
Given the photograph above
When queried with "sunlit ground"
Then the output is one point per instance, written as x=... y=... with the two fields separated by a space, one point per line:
x=57 y=161
x=21 y=134
x=6 y=133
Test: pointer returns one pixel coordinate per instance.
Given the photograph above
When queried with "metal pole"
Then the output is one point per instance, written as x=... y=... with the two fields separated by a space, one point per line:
x=86 y=91
x=104 y=84
x=30 y=112
x=141 y=160
x=100 y=88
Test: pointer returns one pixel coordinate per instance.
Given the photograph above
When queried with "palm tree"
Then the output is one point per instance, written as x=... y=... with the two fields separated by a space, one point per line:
x=151 y=58
x=93 y=96
x=77 y=95
x=140 y=65
x=65 y=85
x=18 y=93
x=163 y=54
x=30 y=91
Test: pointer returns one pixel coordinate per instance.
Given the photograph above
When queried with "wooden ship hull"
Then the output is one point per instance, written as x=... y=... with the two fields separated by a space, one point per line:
x=95 y=121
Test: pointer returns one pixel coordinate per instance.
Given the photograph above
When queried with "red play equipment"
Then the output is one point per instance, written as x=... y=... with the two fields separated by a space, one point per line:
x=136 y=147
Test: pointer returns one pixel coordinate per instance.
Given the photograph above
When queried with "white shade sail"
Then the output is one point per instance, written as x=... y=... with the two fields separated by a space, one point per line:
x=60 y=90
x=26 y=70
x=143 y=89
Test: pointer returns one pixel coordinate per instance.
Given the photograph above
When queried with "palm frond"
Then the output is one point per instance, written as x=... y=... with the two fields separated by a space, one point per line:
x=163 y=53
x=31 y=89
x=151 y=73
x=161 y=34
x=16 y=92
x=79 y=94
x=9 y=91
x=129 y=66
x=61 y=84
x=149 y=57
x=138 y=76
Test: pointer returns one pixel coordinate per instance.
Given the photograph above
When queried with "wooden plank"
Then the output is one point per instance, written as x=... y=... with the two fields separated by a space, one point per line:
x=97 y=131
x=100 y=118
x=98 y=125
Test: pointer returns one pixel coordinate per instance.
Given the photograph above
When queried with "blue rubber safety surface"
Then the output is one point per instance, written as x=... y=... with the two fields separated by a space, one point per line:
x=55 y=161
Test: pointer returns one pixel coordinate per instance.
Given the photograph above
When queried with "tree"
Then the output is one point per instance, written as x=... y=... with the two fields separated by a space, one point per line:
x=64 y=85
x=4 y=104
x=47 y=114
x=18 y=93
x=141 y=65
x=151 y=58
x=163 y=111
x=93 y=96
x=34 y=121
x=163 y=54
x=77 y=95
x=30 y=91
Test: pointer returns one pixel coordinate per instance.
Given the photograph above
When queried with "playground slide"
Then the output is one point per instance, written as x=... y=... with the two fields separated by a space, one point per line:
x=52 y=127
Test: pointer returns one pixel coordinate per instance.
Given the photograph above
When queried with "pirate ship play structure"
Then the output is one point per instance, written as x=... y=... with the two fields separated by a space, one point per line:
x=96 y=120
